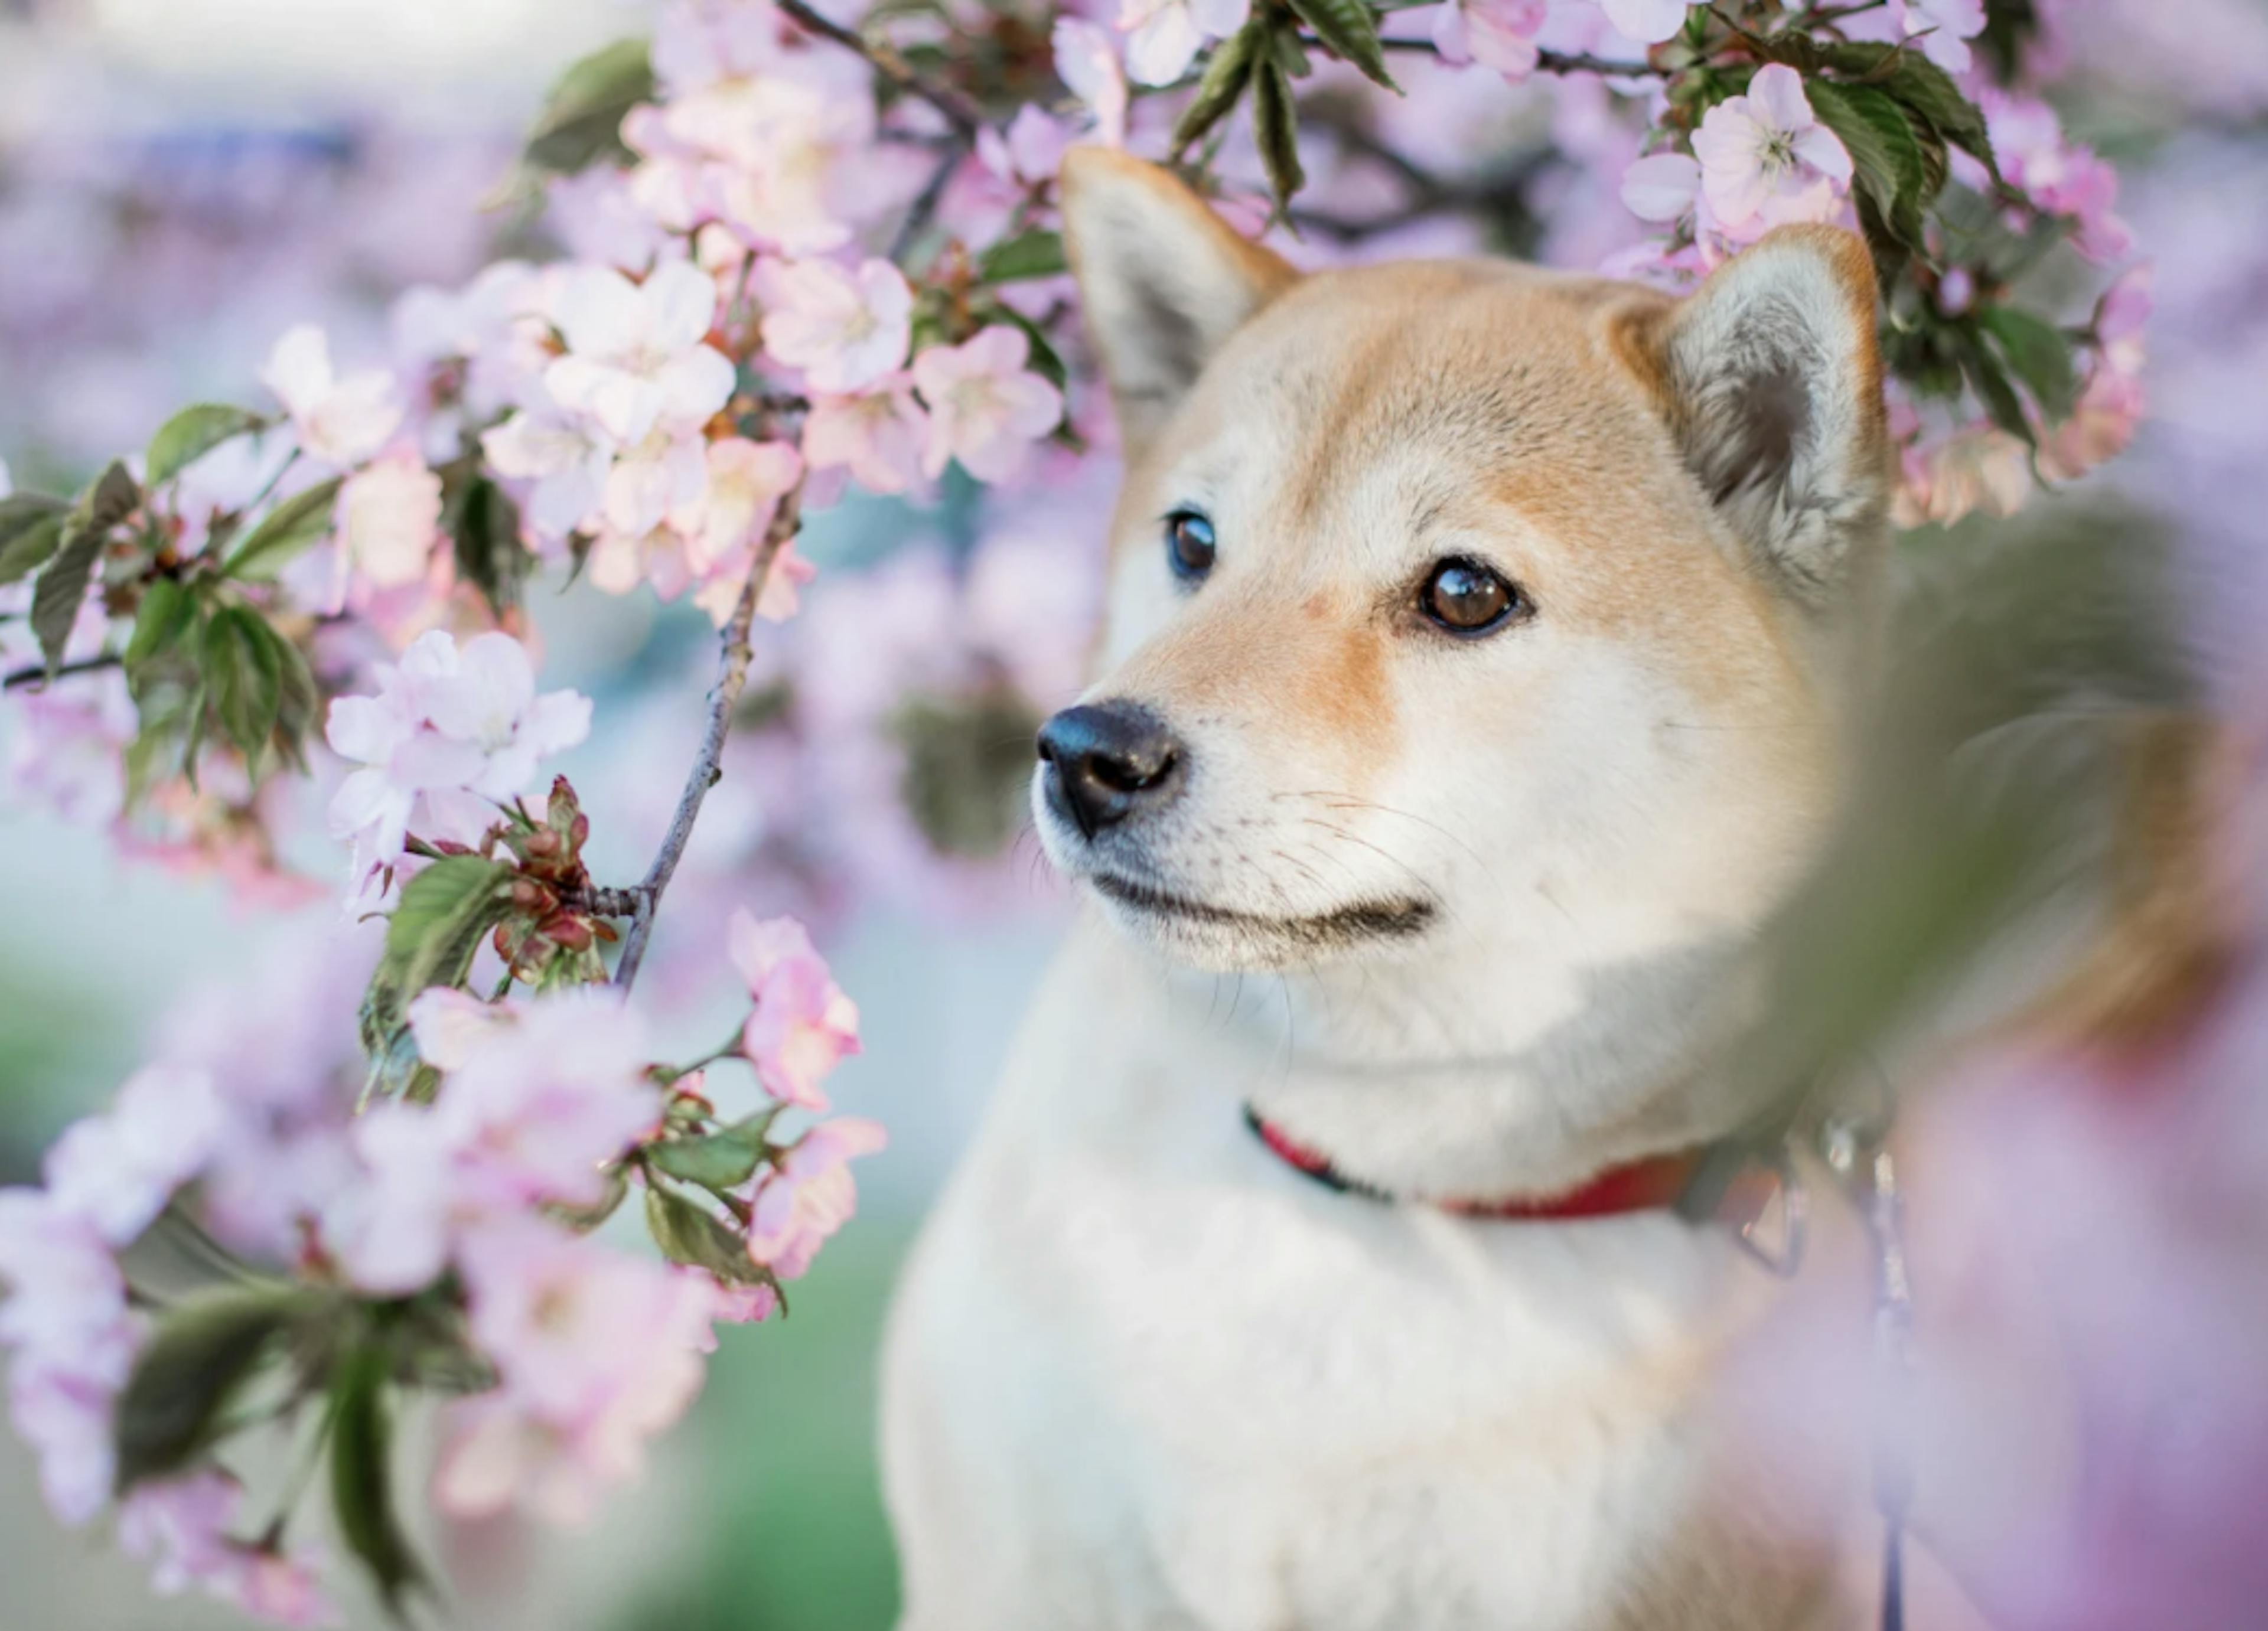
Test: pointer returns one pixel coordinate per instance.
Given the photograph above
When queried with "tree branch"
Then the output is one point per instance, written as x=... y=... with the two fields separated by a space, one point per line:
x=37 y=672
x=1546 y=62
x=925 y=205
x=962 y=113
x=733 y=655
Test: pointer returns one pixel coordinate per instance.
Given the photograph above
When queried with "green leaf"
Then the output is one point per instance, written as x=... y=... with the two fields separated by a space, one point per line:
x=1349 y=31
x=62 y=589
x=723 y=1159
x=244 y=677
x=2037 y=353
x=28 y=517
x=582 y=119
x=28 y=535
x=1275 y=127
x=484 y=525
x=287 y=530
x=687 y=1234
x=109 y=501
x=362 y=1476
x=1036 y=254
x=1930 y=92
x=1892 y=174
x=298 y=698
x=1226 y=73
x=189 y=434
x=200 y=1355
x=1990 y=384
x=436 y=926
x=166 y=611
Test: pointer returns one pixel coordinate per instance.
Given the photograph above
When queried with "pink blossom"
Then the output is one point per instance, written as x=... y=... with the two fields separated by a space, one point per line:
x=986 y=410
x=449 y=730
x=1649 y=22
x=1030 y=150
x=746 y=480
x=878 y=436
x=2066 y=177
x=452 y=1026
x=661 y=478
x=1663 y=187
x=1945 y=27
x=564 y=459
x=118 y=1169
x=803 y=1025
x=389 y=518
x=66 y=749
x=802 y=167
x=1499 y=34
x=1086 y=61
x=844 y=329
x=339 y=423
x=636 y=352
x=1766 y=159
x=66 y=1318
x=597 y=1351
x=181 y=1528
x=1165 y=36
x=800 y=1203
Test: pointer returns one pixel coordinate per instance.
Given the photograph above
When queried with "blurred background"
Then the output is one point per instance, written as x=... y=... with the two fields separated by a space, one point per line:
x=180 y=179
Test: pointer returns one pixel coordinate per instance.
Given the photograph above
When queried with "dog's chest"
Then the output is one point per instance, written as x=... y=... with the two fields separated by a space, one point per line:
x=1233 y=1399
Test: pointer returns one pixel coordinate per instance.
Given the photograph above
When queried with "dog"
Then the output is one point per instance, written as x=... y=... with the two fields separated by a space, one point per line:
x=1480 y=659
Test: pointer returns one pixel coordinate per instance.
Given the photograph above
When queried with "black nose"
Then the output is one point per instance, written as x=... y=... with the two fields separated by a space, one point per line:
x=1107 y=760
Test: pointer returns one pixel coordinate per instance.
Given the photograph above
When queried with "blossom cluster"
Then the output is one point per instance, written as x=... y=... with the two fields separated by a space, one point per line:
x=801 y=259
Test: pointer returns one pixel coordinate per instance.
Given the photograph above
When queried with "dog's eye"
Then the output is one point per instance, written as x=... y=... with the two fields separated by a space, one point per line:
x=1189 y=545
x=1467 y=598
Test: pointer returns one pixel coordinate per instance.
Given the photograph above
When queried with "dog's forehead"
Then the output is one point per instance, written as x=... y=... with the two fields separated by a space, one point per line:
x=1397 y=395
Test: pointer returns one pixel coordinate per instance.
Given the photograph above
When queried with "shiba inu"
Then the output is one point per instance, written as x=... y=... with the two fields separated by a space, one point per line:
x=1478 y=678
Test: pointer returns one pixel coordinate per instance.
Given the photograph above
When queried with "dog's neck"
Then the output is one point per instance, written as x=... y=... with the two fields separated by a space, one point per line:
x=1467 y=1072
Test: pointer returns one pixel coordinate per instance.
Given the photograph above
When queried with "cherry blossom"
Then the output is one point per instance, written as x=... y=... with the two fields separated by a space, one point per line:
x=803 y=1024
x=66 y=1319
x=339 y=423
x=877 y=436
x=1765 y=158
x=563 y=460
x=1499 y=34
x=986 y=410
x=1648 y=22
x=389 y=518
x=1663 y=187
x=1163 y=37
x=846 y=329
x=597 y=1351
x=449 y=731
x=1086 y=61
x=181 y=1527
x=810 y=1195
x=1945 y=28
x=117 y=1170
x=636 y=352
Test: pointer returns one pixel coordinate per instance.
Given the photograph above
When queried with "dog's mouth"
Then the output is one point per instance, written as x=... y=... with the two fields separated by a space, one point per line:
x=1345 y=925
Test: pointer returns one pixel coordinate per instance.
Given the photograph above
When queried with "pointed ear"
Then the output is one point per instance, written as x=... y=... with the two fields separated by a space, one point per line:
x=1163 y=279
x=1772 y=381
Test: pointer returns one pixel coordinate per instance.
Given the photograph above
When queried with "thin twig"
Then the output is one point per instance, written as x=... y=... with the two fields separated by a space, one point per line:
x=925 y=205
x=37 y=672
x=1546 y=62
x=733 y=655
x=963 y=114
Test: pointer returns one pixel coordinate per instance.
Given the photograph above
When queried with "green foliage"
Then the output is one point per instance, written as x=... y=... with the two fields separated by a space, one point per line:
x=1227 y=72
x=189 y=434
x=688 y=1234
x=720 y=1160
x=2037 y=353
x=243 y=678
x=200 y=1356
x=436 y=926
x=286 y=533
x=1348 y=29
x=1276 y=128
x=31 y=528
x=482 y=524
x=1036 y=254
x=582 y=119
x=361 y=1481
x=1892 y=175
x=67 y=569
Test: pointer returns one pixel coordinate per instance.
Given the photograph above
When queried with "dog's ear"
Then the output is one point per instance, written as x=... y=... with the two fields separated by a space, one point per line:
x=1163 y=279
x=1772 y=381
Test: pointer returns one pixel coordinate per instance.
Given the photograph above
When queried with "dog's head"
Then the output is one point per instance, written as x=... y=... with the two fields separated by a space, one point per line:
x=1460 y=602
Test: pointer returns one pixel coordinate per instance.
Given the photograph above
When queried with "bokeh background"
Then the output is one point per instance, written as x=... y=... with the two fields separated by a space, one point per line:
x=180 y=179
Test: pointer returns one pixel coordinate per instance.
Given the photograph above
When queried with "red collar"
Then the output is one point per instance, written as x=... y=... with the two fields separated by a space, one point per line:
x=1658 y=1183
